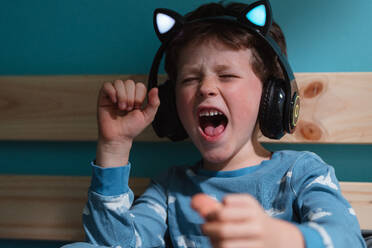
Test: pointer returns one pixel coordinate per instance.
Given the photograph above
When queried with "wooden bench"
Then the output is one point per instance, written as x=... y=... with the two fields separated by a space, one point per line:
x=336 y=108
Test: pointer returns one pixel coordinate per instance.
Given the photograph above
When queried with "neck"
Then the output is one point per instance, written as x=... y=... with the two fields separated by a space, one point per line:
x=251 y=154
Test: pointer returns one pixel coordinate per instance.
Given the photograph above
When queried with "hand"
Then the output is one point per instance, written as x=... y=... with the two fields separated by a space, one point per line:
x=240 y=221
x=121 y=117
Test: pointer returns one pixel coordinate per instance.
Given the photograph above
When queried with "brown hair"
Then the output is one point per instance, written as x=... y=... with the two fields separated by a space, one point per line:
x=264 y=61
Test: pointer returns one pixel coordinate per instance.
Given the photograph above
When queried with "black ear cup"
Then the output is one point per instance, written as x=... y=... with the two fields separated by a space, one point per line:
x=166 y=122
x=271 y=113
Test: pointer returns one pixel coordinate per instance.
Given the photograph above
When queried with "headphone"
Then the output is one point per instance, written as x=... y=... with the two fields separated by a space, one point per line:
x=280 y=102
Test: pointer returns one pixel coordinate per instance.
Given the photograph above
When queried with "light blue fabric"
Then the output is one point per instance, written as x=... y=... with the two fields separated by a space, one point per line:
x=294 y=186
x=110 y=181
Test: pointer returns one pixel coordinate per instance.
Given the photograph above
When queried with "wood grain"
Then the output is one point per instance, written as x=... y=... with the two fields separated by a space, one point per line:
x=50 y=207
x=336 y=108
x=46 y=207
x=359 y=196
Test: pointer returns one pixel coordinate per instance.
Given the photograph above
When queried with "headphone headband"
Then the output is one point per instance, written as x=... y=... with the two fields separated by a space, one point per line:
x=256 y=17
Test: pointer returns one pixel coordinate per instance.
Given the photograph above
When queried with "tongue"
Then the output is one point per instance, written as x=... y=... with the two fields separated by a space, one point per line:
x=213 y=131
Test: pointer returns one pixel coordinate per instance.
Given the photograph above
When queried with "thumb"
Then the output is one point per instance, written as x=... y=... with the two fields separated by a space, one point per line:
x=204 y=204
x=152 y=106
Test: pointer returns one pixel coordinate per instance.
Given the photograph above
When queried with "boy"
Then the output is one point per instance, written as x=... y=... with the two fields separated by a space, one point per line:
x=218 y=72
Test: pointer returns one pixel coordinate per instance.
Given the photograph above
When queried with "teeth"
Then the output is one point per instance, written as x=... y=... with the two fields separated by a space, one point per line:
x=210 y=113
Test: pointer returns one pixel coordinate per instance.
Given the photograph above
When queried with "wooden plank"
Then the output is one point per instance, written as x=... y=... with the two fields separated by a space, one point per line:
x=336 y=108
x=46 y=207
x=50 y=207
x=359 y=196
x=52 y=107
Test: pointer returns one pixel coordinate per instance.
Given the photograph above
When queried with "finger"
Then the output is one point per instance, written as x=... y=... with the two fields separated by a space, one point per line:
x=232 y=214
x=231 y=230
x=240 y=200
x=121 y=94
x=130 y=89
x=236 y=243
x=107 y=93
x=139 y=95
x=152 y=106
x=204 y=204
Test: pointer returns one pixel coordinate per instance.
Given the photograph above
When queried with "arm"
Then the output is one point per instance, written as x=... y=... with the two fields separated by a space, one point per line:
x=323 y=211
x=111 y=219
x=326 y=218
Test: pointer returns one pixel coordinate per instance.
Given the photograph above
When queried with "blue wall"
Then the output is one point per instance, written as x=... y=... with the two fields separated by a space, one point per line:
x=116 y=36
x=49 y=37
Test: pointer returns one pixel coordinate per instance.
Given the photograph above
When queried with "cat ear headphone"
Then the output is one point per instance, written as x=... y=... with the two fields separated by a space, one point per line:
x=280 y=102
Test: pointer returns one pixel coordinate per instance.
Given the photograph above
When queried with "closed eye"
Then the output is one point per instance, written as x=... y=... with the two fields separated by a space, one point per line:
x=190 y=79
x=227 y=77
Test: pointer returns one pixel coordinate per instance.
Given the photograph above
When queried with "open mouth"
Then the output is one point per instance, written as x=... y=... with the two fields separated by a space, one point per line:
x=212 y=122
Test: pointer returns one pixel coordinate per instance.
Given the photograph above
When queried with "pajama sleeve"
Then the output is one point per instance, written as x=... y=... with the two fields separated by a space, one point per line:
x=110 y=217
x=326 y=218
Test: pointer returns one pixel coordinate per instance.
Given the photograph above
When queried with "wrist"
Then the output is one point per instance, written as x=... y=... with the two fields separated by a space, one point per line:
x=111 y=181
x=112 y=153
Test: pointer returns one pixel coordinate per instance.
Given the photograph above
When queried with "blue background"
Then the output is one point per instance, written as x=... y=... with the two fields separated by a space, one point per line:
x=51 y=37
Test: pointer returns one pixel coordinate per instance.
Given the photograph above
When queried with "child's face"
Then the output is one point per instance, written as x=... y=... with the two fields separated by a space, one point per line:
x=213 y=77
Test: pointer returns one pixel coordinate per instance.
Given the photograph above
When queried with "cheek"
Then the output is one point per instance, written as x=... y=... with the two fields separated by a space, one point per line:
x=248 y=105
x=254 y=94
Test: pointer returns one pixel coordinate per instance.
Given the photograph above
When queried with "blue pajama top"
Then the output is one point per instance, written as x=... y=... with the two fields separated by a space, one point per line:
x=294 y=186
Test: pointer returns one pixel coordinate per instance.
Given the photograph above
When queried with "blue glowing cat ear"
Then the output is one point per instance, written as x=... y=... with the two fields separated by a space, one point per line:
x=166 y=23
x=258 y=15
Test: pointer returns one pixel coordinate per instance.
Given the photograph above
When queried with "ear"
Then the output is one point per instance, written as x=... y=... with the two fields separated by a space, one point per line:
x=166 y=23
x=258 y=15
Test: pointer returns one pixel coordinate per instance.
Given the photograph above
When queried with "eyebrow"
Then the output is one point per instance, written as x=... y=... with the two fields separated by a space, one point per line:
x=221 y=68
x=190 y=70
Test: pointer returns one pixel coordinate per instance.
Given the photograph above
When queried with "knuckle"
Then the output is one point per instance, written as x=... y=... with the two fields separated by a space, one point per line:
x=129 y=82
x=141 y=85
x=106 y=86
x=118 y=81
x=121 y=95
x=141 y=91
x=141 y=94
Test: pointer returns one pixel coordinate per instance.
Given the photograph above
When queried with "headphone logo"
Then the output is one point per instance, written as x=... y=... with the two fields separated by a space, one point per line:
x=296 y=110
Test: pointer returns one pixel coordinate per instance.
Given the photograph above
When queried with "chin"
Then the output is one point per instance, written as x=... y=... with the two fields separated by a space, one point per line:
x=215 y=155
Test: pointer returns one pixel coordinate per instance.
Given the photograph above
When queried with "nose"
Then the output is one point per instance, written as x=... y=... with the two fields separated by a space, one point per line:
x=208 y=88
